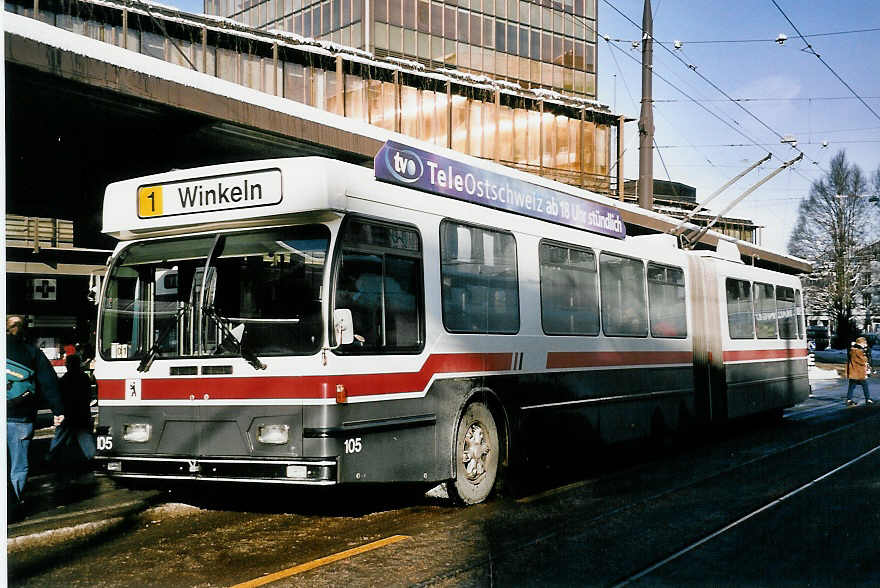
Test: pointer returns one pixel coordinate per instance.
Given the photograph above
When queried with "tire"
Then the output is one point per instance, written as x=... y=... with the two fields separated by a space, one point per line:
x=477 y=452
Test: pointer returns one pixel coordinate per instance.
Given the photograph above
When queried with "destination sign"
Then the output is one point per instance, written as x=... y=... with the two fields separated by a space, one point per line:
x=407 y=166
x=210 y=194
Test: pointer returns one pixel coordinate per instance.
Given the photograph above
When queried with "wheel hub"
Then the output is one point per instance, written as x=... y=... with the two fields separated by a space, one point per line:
x=476 y=450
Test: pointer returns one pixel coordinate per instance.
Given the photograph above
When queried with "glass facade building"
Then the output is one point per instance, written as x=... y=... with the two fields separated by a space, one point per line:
x=537 y=44
x=567 y=138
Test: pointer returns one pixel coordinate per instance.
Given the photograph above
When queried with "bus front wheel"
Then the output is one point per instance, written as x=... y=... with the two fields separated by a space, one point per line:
x=477 y=452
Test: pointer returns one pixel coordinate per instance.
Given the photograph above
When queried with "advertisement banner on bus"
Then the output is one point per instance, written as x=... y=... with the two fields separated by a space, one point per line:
x=414 y=168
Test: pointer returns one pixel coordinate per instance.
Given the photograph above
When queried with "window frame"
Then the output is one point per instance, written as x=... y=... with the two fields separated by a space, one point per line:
x=751 y=307
x=597 y=293
x=799 y=312
x=755 y=312
x=650 y=306
x=794 y=316
x=191 y=319
x=491 y=229
x=644 y=294
x=338 y=253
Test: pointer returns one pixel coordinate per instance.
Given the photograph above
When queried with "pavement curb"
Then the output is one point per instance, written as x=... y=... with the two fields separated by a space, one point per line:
x=54 y=537
x=81 y=520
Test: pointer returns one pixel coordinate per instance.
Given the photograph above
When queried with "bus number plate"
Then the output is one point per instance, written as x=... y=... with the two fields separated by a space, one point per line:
x=353 y=445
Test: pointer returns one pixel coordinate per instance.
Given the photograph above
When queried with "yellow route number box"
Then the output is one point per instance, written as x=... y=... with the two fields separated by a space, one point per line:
x=149 y=201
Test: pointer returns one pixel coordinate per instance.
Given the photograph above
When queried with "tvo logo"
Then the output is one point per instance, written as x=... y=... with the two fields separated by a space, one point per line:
x=406 y=166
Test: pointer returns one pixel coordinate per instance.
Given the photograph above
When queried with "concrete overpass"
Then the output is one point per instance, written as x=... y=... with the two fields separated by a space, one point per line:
x=81 y=113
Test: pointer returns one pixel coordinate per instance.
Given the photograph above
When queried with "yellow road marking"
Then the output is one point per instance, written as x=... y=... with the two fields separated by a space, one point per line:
x=321 y=562
x=553 y=491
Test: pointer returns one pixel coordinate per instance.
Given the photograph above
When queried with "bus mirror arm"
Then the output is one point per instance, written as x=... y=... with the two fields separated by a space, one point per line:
x=147 y=361
x=237 y=336
x=344 y=331
x=343 y=327
x=252 y=359
x=153 y=353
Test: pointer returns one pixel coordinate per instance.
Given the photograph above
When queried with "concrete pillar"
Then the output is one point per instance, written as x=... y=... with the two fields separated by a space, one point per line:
x=497 y=111
x=275 y=69
x=205 y=50
x=449 y=115
x=541 y=138
x=340 y=87
x=580 y=145
x=397 y=108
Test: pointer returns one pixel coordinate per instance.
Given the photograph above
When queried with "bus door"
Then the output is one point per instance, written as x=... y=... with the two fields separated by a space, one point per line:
x=710 y=400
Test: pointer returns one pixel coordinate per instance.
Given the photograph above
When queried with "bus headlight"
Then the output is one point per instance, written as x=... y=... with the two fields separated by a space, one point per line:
x=273 y=434
x=137 y=432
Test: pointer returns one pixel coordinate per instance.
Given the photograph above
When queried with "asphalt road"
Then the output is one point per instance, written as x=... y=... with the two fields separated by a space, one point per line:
x=791 y=502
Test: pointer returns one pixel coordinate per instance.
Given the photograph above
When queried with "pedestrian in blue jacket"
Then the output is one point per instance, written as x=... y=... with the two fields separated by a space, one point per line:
x=21 y=412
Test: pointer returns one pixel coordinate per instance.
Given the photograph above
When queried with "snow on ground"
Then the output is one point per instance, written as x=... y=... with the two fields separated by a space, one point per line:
x=169 y=510
x=817 y=373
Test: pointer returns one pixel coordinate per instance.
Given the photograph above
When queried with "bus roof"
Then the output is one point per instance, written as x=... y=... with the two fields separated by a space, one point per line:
x=314 y=189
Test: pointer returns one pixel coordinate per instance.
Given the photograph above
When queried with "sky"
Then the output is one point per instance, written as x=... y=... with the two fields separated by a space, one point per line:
x=779 y=90
x=729 y=95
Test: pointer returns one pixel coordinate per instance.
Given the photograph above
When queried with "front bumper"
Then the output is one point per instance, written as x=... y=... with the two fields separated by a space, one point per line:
x=312 y=472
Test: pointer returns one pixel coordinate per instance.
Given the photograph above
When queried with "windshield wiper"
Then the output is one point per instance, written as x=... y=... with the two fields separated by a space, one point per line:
x=229 y=335
x=153 y=353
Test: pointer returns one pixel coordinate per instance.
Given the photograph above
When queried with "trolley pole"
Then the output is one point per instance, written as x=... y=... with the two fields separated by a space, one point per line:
x=646 y=118
x=691 y=241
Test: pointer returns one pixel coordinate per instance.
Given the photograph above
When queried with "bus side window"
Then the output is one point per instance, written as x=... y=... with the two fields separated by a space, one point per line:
x=624 y=311
x=799 y=311
x=785 y=310
x=380 y=282
x=666 y=301
x=360 y=290
x=765 y=311
x=569 y=290
x=479 y=283
x=740 y=317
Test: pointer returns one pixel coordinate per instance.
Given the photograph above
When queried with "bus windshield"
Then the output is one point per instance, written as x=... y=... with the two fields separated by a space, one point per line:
x=262 y=293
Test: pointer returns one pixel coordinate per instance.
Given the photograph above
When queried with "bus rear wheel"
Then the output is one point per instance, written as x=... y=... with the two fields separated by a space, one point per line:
x=477 y=452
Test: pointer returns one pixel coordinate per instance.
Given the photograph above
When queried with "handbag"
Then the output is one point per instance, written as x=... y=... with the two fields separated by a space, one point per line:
x=20 y=385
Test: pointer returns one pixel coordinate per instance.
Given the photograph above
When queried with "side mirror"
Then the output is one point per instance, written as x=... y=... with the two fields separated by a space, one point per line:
x=238 y=333
x=342 y=326
x=94 y=288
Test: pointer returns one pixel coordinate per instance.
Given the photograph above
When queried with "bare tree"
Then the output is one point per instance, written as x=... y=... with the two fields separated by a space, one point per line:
x=835 y=222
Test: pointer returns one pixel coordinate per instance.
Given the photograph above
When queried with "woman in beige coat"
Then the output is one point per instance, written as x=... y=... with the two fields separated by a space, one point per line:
x=858 y=368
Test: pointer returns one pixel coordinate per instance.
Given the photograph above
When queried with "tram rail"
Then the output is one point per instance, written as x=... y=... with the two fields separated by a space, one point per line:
x=577 y=530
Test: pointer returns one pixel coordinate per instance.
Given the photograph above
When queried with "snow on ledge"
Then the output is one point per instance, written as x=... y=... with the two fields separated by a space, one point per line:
x=67 y=41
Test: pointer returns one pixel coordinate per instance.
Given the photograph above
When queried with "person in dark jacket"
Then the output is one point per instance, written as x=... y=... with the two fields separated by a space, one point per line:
x=858 y=367
x=21 y=414
x=73 y=444
x=76 y=387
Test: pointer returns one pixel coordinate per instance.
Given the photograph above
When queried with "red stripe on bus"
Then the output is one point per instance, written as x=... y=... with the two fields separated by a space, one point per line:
x=111 y=389
x=752 y=354
x=308 y=387
x=575 y=359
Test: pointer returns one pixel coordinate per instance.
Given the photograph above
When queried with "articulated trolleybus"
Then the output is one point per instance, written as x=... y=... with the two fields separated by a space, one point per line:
x=308 y=321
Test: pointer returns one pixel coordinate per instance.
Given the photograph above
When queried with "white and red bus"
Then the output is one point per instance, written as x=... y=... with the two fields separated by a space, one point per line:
x=309 y=321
